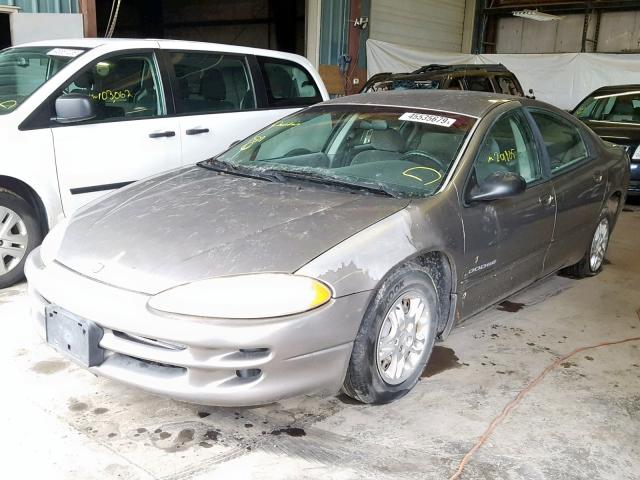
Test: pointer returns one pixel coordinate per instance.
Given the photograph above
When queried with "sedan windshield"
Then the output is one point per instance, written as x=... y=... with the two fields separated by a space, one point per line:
x=614 y=107
x=23 y=70
x=403 y=152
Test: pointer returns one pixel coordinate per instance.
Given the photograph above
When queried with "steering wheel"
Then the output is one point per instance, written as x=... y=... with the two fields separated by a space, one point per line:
x=423 y=158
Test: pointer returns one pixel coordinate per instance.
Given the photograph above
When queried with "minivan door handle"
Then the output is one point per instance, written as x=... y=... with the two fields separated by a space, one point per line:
x=597 y=177
x=168 y=133
x=196 y=131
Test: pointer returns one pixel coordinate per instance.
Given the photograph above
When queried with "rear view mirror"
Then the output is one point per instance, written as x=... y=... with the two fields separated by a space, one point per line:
x=498 y=185
x=74 y=107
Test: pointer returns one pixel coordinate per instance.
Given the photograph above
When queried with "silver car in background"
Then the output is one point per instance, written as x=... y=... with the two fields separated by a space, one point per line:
x=329 y=250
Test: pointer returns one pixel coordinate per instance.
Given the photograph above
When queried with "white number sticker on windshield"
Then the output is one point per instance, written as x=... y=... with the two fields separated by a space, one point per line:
x=64 y=52
x=426 y=118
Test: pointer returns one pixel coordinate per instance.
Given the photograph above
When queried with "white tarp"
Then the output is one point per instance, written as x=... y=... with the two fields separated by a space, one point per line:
x=562 y=79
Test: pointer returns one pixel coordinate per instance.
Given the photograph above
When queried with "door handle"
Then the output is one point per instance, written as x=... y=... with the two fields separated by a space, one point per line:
x=546 y=200
x=597 y=177
x=168 y=133
x=196 y=131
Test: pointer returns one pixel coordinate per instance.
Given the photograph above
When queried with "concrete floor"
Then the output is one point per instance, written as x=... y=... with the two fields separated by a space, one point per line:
x=582 y=421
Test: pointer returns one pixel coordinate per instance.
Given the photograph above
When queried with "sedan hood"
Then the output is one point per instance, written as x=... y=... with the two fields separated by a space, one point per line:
x=194 y=224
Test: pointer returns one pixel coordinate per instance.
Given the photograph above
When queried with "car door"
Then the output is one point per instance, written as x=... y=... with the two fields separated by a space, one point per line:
x=221 y=97
x=506 y=239
x=579 y=182
x=131 y=136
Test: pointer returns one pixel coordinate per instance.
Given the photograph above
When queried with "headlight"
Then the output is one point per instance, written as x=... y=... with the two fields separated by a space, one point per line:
x=262 y=295
x=636 y=154
x=52 y=242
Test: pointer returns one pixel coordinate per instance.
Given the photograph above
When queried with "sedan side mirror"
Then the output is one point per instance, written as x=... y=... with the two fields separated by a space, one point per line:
x=74 y=107
x=498 y=185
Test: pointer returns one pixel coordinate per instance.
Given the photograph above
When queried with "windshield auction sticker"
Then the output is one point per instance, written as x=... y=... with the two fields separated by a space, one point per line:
x=64 y=52
x=427 y=118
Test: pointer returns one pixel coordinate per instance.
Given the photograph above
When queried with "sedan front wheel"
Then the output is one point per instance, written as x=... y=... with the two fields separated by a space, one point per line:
x=395 y=339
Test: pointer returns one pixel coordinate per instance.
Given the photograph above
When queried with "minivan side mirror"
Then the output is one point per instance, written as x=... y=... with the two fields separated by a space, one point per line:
x=74 y=107
x=498 y=185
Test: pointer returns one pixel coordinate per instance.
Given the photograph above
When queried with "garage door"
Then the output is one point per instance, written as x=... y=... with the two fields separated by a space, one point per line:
x=430 y=24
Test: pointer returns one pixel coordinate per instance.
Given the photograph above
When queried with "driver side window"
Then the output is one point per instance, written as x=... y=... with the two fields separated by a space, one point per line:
x=123 y=87
x=509 y=146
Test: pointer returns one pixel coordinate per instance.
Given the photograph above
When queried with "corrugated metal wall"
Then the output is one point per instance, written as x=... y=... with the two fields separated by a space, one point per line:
x=44 y=6
x=430 y=24
x=618 y=32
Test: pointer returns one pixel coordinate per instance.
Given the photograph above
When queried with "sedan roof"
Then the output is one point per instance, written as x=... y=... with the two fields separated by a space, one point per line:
x=475 y=104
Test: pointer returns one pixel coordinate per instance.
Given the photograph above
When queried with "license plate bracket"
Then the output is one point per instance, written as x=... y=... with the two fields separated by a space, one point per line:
x=74 y=337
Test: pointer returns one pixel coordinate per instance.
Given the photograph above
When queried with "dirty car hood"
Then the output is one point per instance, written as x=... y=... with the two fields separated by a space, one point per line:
x=194 y=223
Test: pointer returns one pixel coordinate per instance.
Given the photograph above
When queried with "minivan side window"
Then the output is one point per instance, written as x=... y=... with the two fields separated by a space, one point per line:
x=508 y=147
x=210 y=82
x=563 y=140
x=288 y=84
x=123 y=87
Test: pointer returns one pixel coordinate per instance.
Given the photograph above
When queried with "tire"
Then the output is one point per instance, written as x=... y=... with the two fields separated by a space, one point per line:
x=369 y=380
x=20 y=233
x=589 y=266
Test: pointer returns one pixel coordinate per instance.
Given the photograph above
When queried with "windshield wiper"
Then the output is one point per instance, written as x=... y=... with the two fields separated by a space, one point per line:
x=329 y=180
x=240 y=171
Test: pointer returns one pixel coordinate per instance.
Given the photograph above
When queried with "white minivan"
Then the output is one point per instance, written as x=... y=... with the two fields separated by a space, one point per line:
x=79 y=118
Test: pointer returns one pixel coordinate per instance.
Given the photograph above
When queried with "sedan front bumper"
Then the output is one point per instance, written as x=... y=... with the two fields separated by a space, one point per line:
x=201 y=360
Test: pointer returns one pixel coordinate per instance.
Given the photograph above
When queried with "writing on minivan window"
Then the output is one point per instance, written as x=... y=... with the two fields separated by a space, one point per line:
x=111 y=96
x=8 y=104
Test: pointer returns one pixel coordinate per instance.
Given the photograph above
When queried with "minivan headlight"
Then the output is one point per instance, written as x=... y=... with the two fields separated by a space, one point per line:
x=52 y=242
x=252 y=296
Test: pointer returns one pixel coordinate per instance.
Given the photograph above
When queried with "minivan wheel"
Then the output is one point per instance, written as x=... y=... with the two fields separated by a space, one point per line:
x=395 y=339
x=19 y=234
x=591 y=263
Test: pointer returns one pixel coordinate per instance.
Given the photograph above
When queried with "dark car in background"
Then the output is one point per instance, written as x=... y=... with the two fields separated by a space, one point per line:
x=613 y=112
x=480 y=78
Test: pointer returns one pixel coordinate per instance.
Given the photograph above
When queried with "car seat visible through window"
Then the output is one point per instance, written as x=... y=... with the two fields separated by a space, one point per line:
x=386 y=144
x=214 y=91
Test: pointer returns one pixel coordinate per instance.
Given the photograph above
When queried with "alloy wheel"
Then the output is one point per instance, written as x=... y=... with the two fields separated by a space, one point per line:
x=599 y=245
x=13 y=240
x=402 y=340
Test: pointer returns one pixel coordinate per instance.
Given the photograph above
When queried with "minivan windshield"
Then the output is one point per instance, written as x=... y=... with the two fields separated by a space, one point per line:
x=24 y=69
x=397 y=151
x=621 y=107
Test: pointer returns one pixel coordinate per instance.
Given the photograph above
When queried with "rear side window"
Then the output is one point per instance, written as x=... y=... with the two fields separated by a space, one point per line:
x=212 y=83
x=506 y=85
x=288 y=84
x=563 y=140
x=479 y=84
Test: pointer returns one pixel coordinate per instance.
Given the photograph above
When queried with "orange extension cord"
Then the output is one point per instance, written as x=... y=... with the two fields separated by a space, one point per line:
x=513 y=403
